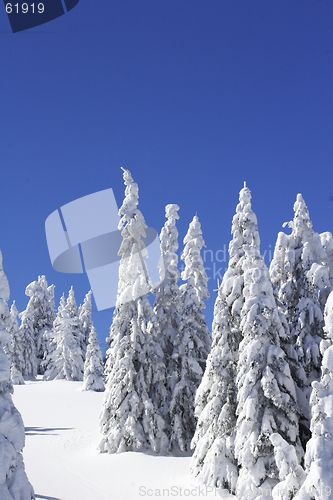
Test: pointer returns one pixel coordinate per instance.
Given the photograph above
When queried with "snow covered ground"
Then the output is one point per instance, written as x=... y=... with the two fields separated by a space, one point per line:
x=62 y=460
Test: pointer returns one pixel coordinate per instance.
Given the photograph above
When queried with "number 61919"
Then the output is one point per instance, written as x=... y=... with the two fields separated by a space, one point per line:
x=25 y=8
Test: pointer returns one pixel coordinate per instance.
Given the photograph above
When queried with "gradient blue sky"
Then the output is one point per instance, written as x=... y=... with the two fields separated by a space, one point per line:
x=193 y=97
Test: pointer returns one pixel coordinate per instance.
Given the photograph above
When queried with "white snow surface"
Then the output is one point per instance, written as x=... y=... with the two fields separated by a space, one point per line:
x=61 y=457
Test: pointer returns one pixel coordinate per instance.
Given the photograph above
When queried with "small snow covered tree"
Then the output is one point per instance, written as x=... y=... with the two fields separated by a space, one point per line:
x=319 y=449
x=266 y=392
x=51 y=338
x=135 y=369
x=76 y=325
x=36 y=319
x=14 y=484
x=17 y=359
x=27 y=332
x=85 y=322
x=297 y=271
x=213 y=458
x=45 y=325
x=93 y=366
x=166 y=305
x=191 y=344
x=64 y=360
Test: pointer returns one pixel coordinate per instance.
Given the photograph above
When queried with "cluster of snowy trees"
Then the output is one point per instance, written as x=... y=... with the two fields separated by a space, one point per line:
x=57 y=346
x=158 y=352
x=61 y=346
x=255 y=400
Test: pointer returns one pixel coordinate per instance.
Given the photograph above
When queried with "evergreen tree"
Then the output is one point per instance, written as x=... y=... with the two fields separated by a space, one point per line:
x=319 y=449
x=64 y=360
x=48 y=362
x=45 y=325
x=213 y=458
x=191 y=344
x=93 y=366
x=167 y=301
x=166 y=305
x=135 y=370
x=36 y=319
x=17 y=359
x=79 y=337
x=27 y=332
x=266 y=392
x=14 y=484
x=85 y=321
x=296 y=271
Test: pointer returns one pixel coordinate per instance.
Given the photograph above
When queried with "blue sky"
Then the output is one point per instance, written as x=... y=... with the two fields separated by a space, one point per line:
x=193 y=97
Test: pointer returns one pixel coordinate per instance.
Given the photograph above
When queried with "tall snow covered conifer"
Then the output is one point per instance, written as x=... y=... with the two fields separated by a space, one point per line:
x=319 y=449
x=213 y=458
x=14 y=484
x=135 y=369
x=191 y=344
x=17 y=359
x=266 y=392
x=166 y=305
x=167 y=301
x=297 y=272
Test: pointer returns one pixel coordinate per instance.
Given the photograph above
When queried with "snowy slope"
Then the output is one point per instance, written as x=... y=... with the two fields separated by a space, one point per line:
x=61 y=457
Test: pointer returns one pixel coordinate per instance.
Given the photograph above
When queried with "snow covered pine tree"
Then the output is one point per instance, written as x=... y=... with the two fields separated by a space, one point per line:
x=297 y=272
x=93 y=366
x=266 y=391
x=318 y=484
x=135 y=370
x=78 y=335
x=215 y=404
x=85 y=322
x=245 y=317
x=191 y=344
x=167 y=301
x=64 y=360
x=290 y=271
x=37 y=318
x=14 y=484
x=17 y=359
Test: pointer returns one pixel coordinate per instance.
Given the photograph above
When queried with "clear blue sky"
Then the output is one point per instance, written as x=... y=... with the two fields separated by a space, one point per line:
x=193 y=97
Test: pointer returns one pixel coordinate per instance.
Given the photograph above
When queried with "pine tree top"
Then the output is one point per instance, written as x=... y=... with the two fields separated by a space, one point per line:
x=13 y=310
x=171 y=211
x=301 y=224
x=194 y=266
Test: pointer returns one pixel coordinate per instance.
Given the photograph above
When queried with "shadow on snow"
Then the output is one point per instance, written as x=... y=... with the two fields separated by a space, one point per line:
x=35 y=431
x=44 y=497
